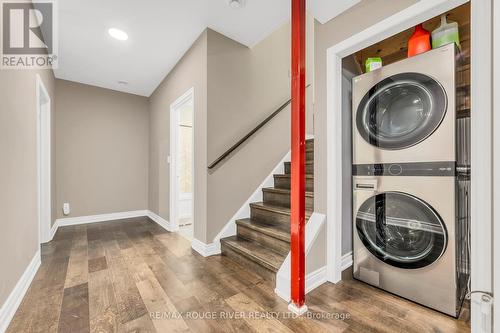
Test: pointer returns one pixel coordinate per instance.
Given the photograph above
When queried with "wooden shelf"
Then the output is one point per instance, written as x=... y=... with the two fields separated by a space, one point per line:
x=463 y=113
x=395 y=48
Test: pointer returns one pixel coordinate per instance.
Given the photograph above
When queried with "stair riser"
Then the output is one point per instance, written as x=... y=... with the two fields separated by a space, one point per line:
x=269 y=217
x=310 y=155
x=267 y=241
x=283 y=200
x=249 y=264
x=284 y=183
x=309 y=168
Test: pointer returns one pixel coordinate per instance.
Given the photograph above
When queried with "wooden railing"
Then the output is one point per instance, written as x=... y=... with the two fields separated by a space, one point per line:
x=249 y=134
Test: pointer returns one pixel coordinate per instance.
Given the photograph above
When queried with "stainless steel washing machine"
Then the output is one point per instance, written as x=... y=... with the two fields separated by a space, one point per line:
x=408 y=236
x=405 y=112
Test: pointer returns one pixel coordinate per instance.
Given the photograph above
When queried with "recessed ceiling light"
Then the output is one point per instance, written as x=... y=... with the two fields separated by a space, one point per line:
x=236 y=3
x=118 y=34
x=123 y=83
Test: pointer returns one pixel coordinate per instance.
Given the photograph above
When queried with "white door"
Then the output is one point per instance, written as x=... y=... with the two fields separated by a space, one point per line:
x=185 y=163
x=181 y=163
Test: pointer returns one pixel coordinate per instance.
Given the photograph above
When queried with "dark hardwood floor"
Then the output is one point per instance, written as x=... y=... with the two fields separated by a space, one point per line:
x=132 y=276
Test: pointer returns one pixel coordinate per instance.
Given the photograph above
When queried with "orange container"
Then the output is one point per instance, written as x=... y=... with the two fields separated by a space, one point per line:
x=419 y=42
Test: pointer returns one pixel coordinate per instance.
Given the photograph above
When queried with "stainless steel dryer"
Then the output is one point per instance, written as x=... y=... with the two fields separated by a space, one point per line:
x=405 y=112
x=409 y=237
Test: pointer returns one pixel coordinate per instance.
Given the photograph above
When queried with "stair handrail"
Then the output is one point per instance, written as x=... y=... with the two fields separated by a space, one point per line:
x=249 y=134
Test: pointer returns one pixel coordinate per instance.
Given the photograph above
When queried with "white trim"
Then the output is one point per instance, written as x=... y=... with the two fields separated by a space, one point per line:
x=296 y=310
x=100 y=218
x=481 y=134
x=160 y=221
x=313 y=279
x=205 y=250
x=53 y=230
x=16 y=296
x=174 y=120
x=43 y=107
x=109 y=217
x=347 y=261
x=496 y=165
x=481 y=163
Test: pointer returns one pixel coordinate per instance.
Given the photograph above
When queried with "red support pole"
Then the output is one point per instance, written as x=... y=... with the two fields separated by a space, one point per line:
x=298 y=155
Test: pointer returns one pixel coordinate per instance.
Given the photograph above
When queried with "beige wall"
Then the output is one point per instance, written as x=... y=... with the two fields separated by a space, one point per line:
x=102 y=150
x=191 y=71
x=18 y=173
x=235 y=88
x=244 y=87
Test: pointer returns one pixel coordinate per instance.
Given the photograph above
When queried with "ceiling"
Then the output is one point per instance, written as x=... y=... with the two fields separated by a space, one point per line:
x=160 y=32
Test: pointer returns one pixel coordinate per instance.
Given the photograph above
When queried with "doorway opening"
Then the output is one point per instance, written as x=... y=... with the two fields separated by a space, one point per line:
x=181 y=164
x=480 y=104
x=43 y=162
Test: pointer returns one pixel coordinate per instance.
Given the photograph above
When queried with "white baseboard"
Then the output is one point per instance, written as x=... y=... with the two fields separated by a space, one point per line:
x=100 y=218
x=63 y=222
x=244 y=211
x=160 y=221
x=206 y=250
x=296 y=310
x=53 y=230
x=346 y=261
x=313 y=281
x=15 y=298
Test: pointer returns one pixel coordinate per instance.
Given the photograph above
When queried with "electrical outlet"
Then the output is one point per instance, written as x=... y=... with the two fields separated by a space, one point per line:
x=66 y=209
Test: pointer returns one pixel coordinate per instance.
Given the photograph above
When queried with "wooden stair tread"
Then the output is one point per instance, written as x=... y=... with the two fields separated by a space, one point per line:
x=254 y=251
x=263 y=240
x=275 y=209
x=278 y=231
x=285 y=191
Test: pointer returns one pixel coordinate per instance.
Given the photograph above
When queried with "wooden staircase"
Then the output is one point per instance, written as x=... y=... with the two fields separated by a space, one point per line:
x=262 y=241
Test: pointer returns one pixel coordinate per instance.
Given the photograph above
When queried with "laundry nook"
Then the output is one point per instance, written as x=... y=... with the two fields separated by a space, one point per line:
x=411 y=164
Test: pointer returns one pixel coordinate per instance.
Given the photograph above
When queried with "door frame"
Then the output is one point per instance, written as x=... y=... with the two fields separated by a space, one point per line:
x=174 y=141
x=44 y=161
x=481 y=133
x=496 y=160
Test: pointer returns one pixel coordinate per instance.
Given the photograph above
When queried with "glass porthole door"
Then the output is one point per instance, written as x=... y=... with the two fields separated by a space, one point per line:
x=401 y=230
x=401 y=111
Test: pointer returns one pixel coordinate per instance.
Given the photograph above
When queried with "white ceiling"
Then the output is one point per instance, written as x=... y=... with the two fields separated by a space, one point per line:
x=160 y=32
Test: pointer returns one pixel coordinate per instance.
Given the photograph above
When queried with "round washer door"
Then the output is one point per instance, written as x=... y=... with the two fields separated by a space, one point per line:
x=401 y=111
x=401 y=230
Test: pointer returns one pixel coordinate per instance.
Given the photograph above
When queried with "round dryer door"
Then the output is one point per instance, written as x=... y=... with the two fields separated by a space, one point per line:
x=401 y=230
x=401 y=111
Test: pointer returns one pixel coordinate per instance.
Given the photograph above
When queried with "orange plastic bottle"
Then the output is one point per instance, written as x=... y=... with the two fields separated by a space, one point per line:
x=419 y=42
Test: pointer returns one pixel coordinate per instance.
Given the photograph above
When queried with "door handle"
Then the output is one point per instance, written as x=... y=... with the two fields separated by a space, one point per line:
x=365 y=185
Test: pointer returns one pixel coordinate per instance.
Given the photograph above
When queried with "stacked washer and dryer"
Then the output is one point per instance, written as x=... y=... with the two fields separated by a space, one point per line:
x=411 y=216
